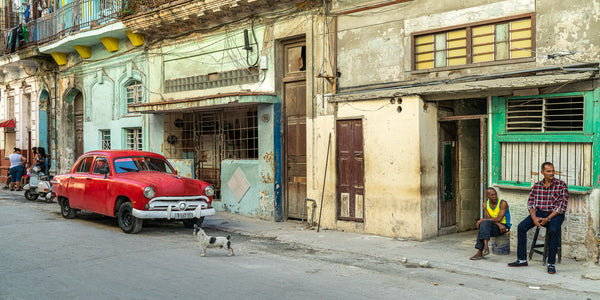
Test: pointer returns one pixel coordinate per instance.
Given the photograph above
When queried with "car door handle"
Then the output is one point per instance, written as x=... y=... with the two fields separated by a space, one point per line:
x=71 y=177
x=88 y=178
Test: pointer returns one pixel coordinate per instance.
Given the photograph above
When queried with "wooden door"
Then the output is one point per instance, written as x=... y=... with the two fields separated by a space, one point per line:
x=294 y=141
x=447 y=177
x=350 y=170
x=78 y=113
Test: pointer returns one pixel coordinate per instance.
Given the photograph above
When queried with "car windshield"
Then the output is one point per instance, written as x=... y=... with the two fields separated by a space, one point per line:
x=141 y=163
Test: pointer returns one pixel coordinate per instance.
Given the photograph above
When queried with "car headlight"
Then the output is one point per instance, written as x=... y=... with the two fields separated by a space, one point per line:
x=149 y=192
x=209 y=191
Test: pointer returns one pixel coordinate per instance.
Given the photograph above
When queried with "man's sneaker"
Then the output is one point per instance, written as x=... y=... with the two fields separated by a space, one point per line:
x=551 y=269
x=518 y=264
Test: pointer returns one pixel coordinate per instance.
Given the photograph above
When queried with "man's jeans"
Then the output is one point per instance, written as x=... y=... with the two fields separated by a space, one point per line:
x=487 y=229
x=552 y=229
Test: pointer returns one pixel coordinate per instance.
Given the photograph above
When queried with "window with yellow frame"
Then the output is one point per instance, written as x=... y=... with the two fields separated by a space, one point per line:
x=509 y=39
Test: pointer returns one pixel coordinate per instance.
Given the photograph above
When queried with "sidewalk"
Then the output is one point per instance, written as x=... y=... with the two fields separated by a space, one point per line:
x=450 y=252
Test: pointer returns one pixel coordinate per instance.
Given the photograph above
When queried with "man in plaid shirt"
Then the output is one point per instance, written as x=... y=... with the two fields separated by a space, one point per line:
x=547 y=205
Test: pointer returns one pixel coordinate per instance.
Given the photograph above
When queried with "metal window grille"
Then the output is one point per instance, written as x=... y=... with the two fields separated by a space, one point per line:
x=134 y=138
x=545 y=114
x=521 y=161
x=105 y=139
x=209 y=137
x=134 y=93
x=240 y=129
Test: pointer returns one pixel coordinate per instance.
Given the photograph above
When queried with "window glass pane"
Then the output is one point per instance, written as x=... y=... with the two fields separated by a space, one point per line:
x=520 y=24
x=440 y=41
x=424 y=48
x=525 y=44
x=457 y=34
x=457 y=44
x=524 y=34
x=425 y=57
x=520 y=53
x=501 y=33
x=502 y=51
x=483 y=30
x=457 y=61
x=425 y=65
x=457 y=53
x=440 y=59
x=483 y=57
x=483 y=49
x=486 y=39
x=424 y=39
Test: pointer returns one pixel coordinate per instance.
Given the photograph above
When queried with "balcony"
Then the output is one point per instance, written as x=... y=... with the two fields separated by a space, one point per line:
x=157 y=18
x=77 y=16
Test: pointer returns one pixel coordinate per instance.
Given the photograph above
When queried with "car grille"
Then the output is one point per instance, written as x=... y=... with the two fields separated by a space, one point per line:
x=178 y=203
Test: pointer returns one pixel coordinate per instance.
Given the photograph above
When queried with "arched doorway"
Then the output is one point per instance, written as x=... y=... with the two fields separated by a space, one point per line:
x=78 y=118
x=43 y=120
x=71 y=137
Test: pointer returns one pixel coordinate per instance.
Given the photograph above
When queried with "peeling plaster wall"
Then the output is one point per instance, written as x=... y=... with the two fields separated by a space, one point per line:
x=374 y=48
x=393 y=197
x=260 y=199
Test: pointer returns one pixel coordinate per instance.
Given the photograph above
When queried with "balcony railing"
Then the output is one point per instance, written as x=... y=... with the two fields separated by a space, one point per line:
x=73 y=17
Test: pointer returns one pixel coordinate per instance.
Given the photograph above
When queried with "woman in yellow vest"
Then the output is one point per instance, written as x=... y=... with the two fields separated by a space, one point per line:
x=496 y=222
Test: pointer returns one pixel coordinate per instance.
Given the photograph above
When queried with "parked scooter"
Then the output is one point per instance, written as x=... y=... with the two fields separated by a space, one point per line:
x=38 y=185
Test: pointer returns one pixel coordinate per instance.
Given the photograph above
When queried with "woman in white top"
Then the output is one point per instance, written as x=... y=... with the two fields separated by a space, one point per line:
x=16 y=169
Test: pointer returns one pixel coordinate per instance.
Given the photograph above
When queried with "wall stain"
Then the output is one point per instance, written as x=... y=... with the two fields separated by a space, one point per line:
x=269 y=158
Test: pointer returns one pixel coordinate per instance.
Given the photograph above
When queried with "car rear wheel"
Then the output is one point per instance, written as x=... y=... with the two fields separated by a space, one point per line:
x=65 y=210
x=190 y=223
x=29 y=195
x=127 y=222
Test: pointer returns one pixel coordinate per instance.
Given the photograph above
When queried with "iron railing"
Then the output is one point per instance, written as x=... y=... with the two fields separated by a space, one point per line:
x=75 y=16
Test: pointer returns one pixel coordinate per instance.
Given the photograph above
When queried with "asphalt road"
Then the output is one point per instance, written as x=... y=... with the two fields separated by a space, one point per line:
x=43 y=256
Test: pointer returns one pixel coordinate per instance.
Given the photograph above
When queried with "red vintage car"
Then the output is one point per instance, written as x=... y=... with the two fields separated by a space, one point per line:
x=131 y=186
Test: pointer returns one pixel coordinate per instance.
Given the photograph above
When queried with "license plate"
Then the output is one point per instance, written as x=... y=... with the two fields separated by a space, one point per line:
x=182 y=215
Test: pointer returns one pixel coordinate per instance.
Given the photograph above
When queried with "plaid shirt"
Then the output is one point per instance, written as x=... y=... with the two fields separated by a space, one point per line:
x=553 y=198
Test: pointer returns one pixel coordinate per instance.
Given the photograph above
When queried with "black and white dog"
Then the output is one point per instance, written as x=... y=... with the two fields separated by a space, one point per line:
x=212 y=241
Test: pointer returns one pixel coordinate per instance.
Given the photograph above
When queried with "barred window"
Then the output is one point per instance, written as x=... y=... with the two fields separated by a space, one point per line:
x=134 y=138
x=545 y=114
x=521 y=162
x=134 y=92
x=495 y=41
x=105 y=139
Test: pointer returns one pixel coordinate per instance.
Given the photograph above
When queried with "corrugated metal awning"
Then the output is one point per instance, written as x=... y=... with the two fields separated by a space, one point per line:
x=204 y=102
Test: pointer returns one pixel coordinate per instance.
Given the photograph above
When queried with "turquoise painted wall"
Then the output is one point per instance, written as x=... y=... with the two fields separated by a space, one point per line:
x=259 y=200
x=104 y=91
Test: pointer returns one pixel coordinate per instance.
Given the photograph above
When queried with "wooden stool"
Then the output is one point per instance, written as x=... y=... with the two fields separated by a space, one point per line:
x=546 y=244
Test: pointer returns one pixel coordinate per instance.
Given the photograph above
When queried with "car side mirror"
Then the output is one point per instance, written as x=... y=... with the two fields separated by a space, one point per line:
x=105 y=171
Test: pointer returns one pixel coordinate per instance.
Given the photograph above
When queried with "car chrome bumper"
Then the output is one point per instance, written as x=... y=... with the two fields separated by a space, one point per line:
x=173 y=214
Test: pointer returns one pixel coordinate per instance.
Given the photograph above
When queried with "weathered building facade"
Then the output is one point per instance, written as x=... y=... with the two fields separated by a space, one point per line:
x=433 y=105
x=393 y=116
x=231 y=85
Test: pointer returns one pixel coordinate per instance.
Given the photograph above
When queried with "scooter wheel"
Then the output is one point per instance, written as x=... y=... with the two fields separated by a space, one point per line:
x=31 y=196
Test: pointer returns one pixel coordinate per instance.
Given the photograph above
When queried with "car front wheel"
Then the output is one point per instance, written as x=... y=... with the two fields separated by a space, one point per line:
x=65 y=210
x=190 y=223
x=127 y=222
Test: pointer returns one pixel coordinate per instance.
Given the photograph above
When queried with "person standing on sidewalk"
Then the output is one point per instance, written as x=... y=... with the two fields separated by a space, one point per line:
x=496 y=222
x=547 y=205
x=16 y=169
